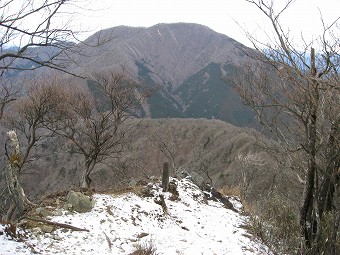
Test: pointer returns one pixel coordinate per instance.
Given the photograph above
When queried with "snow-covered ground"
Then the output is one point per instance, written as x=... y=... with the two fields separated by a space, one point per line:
x=119 y=223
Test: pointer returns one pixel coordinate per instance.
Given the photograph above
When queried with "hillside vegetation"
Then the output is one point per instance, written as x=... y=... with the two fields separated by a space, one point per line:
x=210 y=150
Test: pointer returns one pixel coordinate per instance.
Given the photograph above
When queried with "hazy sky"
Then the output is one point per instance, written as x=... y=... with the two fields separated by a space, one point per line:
x=220 y=15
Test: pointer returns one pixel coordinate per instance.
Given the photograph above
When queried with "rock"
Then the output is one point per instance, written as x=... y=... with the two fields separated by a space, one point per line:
x=57 y=238
x=212 y=194
x=47 y=228
x=58 y=212
x=173 y=190
x=132 y=183
x=80 y=202
x=146 y=192
x=43 y=212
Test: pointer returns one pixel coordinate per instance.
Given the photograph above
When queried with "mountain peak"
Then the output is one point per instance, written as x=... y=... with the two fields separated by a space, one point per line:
x=171 y=51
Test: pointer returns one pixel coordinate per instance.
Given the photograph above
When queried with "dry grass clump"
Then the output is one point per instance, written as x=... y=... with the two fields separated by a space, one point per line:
x=232 y=191
x=236 y=191
x=276 y=224
x=273 y=220
x=145 y=249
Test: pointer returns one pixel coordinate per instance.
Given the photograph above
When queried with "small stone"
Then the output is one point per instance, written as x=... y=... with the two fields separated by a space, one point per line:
x=146 y=192
x=57 y=212
x=132 y=183
x=56 y=237
x=43 y=212
x=80 y=202
x=47 y=228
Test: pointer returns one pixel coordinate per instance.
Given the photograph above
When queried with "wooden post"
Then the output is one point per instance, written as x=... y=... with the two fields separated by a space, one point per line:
x=165 y=177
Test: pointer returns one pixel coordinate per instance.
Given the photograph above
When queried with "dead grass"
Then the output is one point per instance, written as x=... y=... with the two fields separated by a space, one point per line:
x=275 y=223
x=236 y=191
x=233 y=190
x=145 y=249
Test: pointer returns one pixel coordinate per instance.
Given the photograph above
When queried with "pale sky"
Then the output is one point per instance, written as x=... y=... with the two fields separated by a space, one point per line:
x=219 y=15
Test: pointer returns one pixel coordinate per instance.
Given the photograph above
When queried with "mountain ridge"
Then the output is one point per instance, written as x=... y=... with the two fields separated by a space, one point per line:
x=167 y=49
x=169 y=57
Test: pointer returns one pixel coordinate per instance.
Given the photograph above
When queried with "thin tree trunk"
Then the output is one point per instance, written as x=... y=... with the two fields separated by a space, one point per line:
x=306 y=208
x=86 y=180
x=308 y=221
x=10 y=212
x=306 y=212
x=335 y=238
x=16 y=191
x=326 y=193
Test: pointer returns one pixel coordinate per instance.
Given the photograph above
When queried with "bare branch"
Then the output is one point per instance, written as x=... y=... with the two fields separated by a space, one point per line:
x=296 y=96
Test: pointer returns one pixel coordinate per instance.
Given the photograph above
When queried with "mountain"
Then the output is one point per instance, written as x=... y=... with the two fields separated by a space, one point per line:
x=189 y=221
x=187 y=61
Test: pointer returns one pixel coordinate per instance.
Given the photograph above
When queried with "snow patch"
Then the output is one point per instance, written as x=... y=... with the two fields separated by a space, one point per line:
x=118 y=223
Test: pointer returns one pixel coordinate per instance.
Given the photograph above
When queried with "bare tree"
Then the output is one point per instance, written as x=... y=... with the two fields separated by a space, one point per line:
x=98 y=129
x=164 y=140
x=27 y=119
x=8 y=93
x=296 y=94
x=27 y=25
x=34 y=34
x=167 y=146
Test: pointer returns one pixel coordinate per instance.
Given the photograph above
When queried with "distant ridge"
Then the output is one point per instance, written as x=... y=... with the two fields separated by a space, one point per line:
x=186 y=60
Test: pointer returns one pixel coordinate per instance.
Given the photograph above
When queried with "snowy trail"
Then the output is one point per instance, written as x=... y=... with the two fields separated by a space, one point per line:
x=117 y=224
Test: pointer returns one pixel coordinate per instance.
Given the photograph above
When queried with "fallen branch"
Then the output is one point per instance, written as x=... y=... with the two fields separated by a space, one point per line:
x=62 y=225
x=108 y=241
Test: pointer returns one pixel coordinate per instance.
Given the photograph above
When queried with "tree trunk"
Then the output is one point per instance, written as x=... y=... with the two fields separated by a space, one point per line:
x=327 y=187
x=85 y=182
x=305 y=212
x=85 y=179
x=308 y=214
x=334 y=243
x=165 y=177
x=16 y=191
